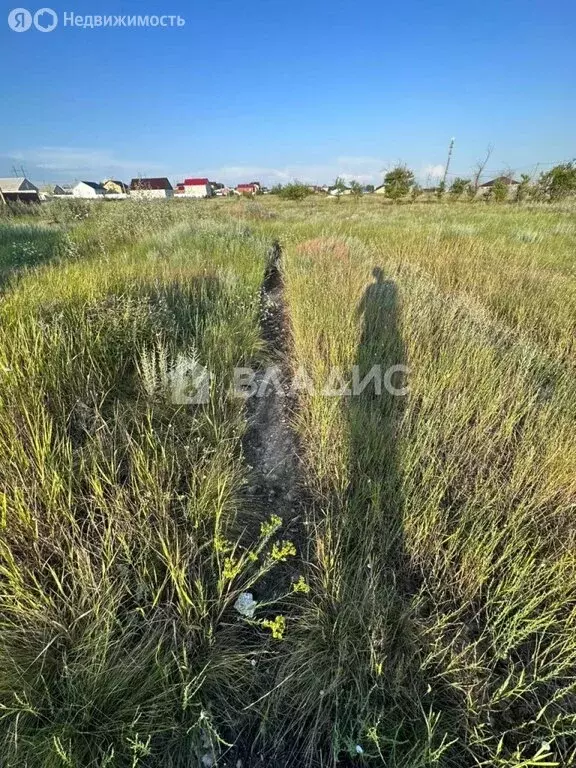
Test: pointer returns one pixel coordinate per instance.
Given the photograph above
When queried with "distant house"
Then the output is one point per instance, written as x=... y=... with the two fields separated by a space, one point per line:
x=198 y=188
x=336 y=192
x=381 y=190
x=115 y=187
x=248 y=189
x=61 y=190
x=508 y=181
x=88 y=190
x=151 y=188
x=18 y=190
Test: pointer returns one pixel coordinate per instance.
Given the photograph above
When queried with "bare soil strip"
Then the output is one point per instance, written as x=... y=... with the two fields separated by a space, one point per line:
x=270 y=444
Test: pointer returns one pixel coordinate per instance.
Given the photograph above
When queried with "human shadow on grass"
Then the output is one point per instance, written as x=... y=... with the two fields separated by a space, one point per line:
x=385 y=690
x=376 y=568
x=362 y=688
x=366 y=688
x=374 y=411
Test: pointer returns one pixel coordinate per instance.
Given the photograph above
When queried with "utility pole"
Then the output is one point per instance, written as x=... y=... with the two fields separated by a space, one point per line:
x=450 y=148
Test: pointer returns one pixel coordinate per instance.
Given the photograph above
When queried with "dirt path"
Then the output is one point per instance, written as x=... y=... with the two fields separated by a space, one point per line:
x=270 y=445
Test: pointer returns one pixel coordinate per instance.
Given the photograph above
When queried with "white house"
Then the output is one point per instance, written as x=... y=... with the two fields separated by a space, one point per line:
x=198 y=188
x=335 y=192
x=151 y=188
x=507 y=181
x=88 y=190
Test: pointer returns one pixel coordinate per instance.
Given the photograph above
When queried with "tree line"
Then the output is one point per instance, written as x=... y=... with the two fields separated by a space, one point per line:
x=400 y=184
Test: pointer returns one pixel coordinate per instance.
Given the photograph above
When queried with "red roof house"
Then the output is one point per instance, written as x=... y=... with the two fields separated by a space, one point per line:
x=248 y=189
x=199 y=187
x=159 y=187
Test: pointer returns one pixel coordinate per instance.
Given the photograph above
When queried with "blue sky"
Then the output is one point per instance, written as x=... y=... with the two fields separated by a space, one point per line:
x=304 y=89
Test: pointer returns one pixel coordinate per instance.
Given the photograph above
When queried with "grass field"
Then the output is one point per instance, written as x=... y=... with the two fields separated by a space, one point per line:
x=419 y=609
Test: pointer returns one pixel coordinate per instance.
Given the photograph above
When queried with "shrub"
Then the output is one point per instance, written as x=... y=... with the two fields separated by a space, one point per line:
x=523 y=188
x=499 y=191
x=559 y=181
x=398 y=182
x=294 y=191
x=458 y=187
x=356 y=188
x=339 y=187
x=72 y=209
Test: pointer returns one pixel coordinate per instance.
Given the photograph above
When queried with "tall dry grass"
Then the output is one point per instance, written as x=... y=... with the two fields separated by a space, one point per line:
x=434 y=625
x=440 y=626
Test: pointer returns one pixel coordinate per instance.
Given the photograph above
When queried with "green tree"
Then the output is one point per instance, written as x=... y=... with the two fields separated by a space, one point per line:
x=398 y=182
x=499 y=191
x=339 y=187
x=369 y=188
x=356 y=189
x=459 y=187
x=559 y=181
x=440 y=190
x=294 y=191
x=523 y=188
